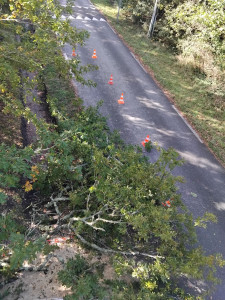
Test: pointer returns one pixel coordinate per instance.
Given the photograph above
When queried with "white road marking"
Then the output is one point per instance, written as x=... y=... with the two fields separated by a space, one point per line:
x=111 y=28
x=189 y=126
x=85 y=7
x=89 y=19
x=138 y=62
x=71 y=18
x=63 y=17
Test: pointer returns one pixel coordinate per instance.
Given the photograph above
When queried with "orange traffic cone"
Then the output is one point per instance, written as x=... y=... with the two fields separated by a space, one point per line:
x=73 y=53
x=111 y=80
x=147 y=139
x=120 y=101
x=94 y=54
x=167 y=203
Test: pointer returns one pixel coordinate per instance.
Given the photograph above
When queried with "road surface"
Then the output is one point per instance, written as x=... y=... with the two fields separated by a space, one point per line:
x=148 y=111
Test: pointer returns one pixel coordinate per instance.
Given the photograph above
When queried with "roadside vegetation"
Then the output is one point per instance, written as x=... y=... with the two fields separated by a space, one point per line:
x=78 y=178
x=186 y=56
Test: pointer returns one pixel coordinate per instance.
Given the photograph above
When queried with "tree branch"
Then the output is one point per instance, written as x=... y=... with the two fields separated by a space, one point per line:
x=56 y=208
x=56 y=200
x=95 y=220
x=107 y=221
x=87 y=223
x=96 y=247
x=15 y=20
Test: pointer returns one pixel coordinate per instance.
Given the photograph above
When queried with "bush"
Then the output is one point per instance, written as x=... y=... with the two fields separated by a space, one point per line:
x=196 y=28
x=79 y=276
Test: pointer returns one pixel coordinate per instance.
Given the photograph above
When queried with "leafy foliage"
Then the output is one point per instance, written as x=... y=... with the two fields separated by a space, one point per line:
x=107 y=193
x=40 y=37
x=198 y=29
x=116 y=201
x=79 y=276
x=31 y=39
x=193 y=28
x=13 y=163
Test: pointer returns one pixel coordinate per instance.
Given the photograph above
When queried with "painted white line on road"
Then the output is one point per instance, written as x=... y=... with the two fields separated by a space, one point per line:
x=138 y=62
x=85 y=7
x=189 y=126
x=71 y=18
x=88 y=19
x=111 y=28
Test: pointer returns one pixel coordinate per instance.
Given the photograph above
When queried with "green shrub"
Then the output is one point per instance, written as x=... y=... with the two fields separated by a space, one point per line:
x=79 y=276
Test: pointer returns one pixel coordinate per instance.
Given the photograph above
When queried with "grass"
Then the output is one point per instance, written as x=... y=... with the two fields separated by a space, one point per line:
x=189 y=90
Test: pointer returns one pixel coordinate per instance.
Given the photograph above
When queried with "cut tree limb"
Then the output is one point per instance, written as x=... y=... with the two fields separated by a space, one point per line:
x=96 y=247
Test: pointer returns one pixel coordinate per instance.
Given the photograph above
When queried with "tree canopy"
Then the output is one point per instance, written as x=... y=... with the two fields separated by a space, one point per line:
x=194 y=28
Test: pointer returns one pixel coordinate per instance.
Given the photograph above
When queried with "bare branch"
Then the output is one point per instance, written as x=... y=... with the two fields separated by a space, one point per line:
x=56 y=208
x=108 y=221
x=87 y=223
x=56 y=200
x=14 y=20
x=96 y=247
x=88 y=199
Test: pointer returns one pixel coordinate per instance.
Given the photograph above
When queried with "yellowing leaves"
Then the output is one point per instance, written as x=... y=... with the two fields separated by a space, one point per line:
x=150 y=285
x=92 y=189
x=28 y=186
x=35 y=173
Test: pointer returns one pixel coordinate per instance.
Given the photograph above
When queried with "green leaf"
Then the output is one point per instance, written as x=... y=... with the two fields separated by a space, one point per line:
x=3 y=198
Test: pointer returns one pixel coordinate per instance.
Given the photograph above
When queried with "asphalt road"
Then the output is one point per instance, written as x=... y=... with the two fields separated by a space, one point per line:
x=148 y=111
